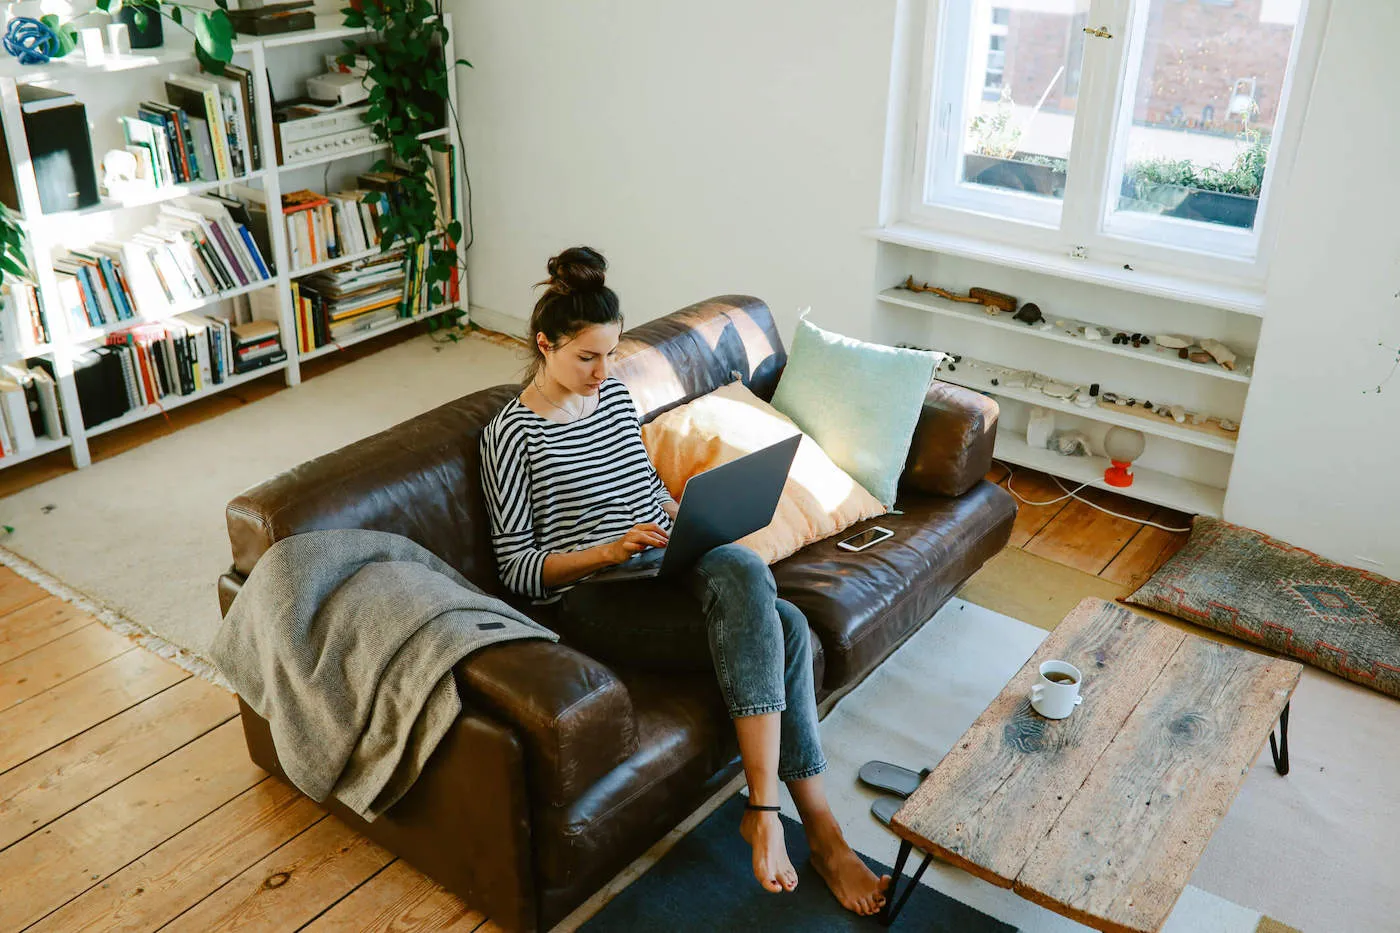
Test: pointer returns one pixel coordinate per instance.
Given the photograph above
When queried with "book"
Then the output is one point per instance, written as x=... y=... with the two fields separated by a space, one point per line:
x=244 y=77
x=201 y=96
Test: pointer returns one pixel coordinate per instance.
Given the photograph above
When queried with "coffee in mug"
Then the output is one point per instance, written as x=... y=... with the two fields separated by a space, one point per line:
x=1056 y=691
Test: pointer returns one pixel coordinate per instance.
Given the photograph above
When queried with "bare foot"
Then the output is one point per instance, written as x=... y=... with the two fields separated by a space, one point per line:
x=771 y=865
x=853 y=883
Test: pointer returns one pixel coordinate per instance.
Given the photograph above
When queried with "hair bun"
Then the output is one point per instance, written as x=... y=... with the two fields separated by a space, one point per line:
x=577 y=269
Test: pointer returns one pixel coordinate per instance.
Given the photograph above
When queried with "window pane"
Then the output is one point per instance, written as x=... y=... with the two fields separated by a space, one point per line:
x=1204 y=102
x=1021 y=94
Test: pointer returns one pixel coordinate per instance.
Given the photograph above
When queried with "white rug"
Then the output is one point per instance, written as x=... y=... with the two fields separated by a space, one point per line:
x=142 y=535
x=1316 y=850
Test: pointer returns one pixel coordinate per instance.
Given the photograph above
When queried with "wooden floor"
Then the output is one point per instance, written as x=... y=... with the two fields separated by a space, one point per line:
x=127 y=800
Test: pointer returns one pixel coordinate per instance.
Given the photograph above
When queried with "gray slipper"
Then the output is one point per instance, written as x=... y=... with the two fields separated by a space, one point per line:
x=893 y=779
x=884 y=808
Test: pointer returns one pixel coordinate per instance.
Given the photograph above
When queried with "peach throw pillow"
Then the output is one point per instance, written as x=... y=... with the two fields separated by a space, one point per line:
x=819 y=498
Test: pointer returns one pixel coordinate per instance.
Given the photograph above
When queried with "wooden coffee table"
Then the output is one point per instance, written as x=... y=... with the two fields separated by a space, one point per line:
x=1102 y=816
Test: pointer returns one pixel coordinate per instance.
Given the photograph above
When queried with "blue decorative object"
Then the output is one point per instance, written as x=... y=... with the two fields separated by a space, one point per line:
x=30 y=41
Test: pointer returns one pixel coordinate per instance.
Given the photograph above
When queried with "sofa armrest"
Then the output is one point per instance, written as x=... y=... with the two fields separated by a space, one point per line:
x=573 y=716
x=952 y=446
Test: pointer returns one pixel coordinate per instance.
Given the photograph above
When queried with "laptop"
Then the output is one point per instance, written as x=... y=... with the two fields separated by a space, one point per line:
x=718 y=507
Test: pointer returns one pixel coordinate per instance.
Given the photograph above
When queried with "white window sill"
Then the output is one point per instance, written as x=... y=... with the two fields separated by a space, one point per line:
x=1178 y=288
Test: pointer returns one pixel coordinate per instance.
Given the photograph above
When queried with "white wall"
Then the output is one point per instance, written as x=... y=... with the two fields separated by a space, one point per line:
x=705 y=148
x=733 y=146
x=1319 y=454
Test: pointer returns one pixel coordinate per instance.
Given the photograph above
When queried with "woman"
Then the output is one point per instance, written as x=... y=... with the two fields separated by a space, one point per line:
x=571 y=491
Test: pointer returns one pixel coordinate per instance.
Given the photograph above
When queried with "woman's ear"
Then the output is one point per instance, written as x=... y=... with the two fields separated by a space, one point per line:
x=542 y=342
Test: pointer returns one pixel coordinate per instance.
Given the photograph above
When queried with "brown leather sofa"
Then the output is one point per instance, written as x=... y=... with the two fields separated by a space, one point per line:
x=562 y=769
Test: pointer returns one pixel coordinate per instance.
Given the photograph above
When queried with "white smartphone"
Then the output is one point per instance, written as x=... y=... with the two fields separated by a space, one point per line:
x=867 y=538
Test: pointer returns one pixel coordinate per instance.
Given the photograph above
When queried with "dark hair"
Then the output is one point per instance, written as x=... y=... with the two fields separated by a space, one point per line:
x=575 y=300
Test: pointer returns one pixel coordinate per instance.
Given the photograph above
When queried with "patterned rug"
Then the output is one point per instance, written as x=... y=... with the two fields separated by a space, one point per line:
x=1260 y=590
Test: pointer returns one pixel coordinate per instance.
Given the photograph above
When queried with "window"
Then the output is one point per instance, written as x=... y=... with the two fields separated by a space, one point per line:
x=1148 y=129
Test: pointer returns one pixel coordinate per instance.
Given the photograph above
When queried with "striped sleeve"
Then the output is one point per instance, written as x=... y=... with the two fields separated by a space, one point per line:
x=505 y=478
x=658 y=488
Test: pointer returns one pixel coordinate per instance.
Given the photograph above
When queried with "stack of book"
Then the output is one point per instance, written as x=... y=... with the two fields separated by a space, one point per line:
x=360 y=296
x=29 y=408
x=25 y=326
x=205 y=130
x=325 y=227
x=147 y=362
x=256 y=344
x=199 y=248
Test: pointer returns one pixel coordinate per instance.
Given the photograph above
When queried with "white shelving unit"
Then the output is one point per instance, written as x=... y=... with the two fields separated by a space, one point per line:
x=1186 y=466
x=45 y=232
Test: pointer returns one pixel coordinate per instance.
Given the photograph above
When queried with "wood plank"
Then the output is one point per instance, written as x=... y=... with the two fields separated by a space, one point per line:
x=49 y=785
x=400 y=899
x=16 y=592
x=186 y=868
x=1149 y=549
x=1032 y=519
x=45 y=870
x=1086 y=539
x=38 y=624
x=60 y=660
x=1123 y=849
x=998 y=791
x=289 y=887
x=57 y=715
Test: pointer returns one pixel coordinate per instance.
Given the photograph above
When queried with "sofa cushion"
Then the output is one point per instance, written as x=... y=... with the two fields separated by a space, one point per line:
x=819 y=499
x=862 y=604
x=860 y=401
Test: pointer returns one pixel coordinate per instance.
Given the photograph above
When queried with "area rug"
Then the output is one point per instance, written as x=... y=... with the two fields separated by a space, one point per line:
x=1269 y=593
x=140 y=539
x=1313 y=851
x=705 y=884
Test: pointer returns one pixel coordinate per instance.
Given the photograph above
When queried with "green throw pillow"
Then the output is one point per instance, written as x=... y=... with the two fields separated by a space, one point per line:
x=859 y=401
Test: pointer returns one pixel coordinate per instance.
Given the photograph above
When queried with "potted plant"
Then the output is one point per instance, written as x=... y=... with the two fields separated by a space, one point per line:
x=407 y=77
x=1180 y=188
x=997 y=161
x=211 y=28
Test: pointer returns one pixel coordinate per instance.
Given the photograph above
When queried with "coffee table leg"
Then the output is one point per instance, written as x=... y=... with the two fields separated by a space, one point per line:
x=1280 y=749
x=893 y=907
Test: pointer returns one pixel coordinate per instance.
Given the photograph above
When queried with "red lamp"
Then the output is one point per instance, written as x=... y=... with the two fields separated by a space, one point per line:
x=1123 y=446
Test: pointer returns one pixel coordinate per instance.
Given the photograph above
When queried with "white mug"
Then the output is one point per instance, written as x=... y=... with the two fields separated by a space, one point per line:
x=1054 y=700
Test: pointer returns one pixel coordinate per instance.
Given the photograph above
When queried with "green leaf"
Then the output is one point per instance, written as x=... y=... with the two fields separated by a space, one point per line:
x=177 y=16
x=214 y=33
x=142 y=19
x=463 y=61
x=454 y=230
x=12 y=267
x=104 y=5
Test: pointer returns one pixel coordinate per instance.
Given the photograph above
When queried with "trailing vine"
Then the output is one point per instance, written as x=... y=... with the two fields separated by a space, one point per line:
x=408 y=78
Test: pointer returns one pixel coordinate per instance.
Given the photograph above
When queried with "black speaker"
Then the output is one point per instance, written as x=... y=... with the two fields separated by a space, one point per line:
x=55 y=123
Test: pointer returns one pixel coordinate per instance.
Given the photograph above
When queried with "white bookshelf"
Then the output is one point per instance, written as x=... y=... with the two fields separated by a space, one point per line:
x=46 y=232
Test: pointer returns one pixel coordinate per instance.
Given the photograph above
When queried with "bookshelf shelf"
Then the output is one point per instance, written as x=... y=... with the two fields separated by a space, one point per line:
x=386 y=327
x=45 y=446
x=143 y=199
x=94 y=334
x=175 y=401
x=49 y=235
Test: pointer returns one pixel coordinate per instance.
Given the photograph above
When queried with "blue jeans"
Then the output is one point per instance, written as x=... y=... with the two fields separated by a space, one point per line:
x=724 y=613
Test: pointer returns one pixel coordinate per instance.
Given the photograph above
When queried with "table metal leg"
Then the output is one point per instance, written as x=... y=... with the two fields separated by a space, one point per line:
x=892 y=906
x=1279 y=749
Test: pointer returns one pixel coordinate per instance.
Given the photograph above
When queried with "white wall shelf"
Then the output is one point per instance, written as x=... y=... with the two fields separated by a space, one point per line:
x=1231 y=298
x=922 y=301
x=1148 y=485
x=46 y=233
x=973 y=374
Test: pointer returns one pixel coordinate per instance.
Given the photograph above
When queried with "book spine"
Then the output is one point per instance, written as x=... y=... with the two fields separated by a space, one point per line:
x=191 y=154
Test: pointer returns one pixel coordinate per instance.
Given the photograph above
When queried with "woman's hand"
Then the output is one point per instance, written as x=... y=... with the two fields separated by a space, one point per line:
x=638 y=539
x=671 y=508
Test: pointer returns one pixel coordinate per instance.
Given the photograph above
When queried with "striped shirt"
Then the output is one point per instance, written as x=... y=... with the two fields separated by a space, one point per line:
x=554 y=487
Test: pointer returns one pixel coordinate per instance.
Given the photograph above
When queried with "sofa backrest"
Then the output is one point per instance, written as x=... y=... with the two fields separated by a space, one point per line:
x=421 y=478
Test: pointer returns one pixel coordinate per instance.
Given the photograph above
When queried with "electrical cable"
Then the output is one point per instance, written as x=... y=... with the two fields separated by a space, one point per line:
x=1074 y=494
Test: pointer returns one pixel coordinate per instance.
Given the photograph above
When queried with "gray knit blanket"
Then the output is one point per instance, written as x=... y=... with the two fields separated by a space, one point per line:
x=344 y=641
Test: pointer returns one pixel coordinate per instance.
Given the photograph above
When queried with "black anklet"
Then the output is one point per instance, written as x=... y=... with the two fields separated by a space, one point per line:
x=754 y=806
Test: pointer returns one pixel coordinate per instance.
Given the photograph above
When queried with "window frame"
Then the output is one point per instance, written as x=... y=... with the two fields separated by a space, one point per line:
x=928 y=195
